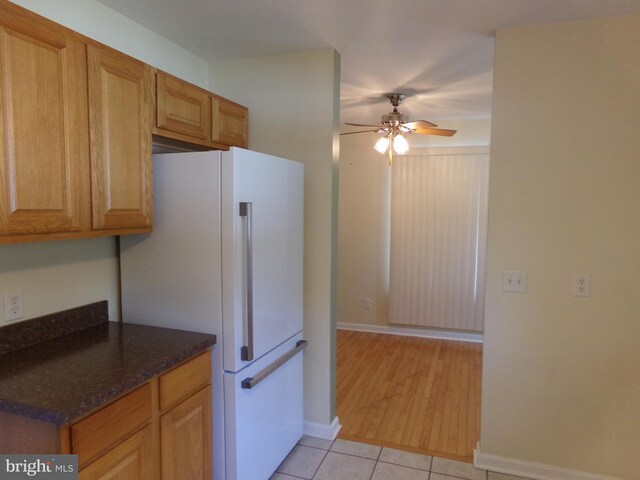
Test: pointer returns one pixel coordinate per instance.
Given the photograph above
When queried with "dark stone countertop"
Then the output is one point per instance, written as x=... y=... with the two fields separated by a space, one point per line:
x=65 y=377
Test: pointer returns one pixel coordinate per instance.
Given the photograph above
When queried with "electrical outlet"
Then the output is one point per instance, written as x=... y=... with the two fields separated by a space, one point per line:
x=366 y=303
x=13 y=306
x=581 y=285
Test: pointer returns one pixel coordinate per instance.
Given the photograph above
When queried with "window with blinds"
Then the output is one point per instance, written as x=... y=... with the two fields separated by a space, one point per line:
x=438 y=239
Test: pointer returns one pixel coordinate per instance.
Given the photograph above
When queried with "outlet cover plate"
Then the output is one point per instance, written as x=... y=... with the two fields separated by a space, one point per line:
x=13 y=306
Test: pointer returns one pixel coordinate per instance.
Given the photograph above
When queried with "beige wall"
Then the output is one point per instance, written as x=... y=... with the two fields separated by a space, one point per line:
x=56 y=276
x=293 y=101
x=364 y=217
x=561 y=381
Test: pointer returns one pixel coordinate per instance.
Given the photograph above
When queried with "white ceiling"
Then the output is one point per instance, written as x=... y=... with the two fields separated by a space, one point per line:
x=438 y=51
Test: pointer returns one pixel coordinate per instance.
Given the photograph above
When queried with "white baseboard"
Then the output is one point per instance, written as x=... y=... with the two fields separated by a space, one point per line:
x=535 y=471
x=414 y=332
x=322 y=430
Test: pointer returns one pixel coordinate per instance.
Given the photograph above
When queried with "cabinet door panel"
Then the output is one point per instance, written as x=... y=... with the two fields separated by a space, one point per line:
x=121 y=114
x=44 y=120
x=185 y=433
x=182 y=107
x=230 y=123
x=130 y=460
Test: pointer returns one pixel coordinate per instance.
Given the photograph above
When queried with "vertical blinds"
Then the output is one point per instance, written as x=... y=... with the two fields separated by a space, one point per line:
x=438 y=240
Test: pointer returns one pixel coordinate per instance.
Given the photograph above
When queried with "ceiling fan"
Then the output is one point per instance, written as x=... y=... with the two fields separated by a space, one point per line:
x=394 y=126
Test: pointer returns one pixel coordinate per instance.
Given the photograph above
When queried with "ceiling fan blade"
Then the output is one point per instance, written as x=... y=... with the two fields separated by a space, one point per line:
x=420 y=124
x=436 y=131
x=359 y=131
x=362 y=125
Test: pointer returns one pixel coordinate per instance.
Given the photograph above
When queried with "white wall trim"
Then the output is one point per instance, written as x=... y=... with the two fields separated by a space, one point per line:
x=535 y=471
x=322 y=430
x=414 y=332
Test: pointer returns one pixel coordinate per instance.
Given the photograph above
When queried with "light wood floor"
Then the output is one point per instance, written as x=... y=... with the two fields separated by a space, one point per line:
x=409 y=393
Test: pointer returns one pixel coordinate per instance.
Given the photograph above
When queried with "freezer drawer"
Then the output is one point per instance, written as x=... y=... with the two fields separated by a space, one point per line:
x=263 y=422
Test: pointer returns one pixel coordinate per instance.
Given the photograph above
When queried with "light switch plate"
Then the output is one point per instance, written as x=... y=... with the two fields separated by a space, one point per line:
x=514 y=281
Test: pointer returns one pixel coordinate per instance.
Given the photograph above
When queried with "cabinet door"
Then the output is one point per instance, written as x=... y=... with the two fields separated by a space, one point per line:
x=185 y=433
x=130 y=460
x=120 y=122
x=43 y=120
x=230 y=123
x=182 y=107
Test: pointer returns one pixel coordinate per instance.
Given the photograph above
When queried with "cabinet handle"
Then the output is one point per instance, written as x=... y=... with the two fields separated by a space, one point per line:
x=246 y=351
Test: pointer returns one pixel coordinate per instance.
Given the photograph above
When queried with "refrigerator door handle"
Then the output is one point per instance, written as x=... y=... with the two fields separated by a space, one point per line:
x=246 y=351
x=251 y=382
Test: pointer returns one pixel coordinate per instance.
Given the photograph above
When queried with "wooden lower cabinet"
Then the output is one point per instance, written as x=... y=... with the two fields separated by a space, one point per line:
x=140 y=437
x=93 y=435
x=130 y=460
x=185 y=433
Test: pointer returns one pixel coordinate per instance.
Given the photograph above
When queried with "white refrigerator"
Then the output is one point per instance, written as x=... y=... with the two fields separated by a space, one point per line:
x=225 y=257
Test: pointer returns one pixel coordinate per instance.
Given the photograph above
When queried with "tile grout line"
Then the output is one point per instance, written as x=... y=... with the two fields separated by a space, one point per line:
x=375 y=465
x=377 y=461
x=320 y=464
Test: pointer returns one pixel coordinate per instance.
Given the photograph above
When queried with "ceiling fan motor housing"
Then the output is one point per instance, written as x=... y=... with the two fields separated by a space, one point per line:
x=394 y=118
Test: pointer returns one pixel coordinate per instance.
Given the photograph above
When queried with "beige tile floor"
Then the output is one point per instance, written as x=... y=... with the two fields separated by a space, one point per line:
x=317 y=459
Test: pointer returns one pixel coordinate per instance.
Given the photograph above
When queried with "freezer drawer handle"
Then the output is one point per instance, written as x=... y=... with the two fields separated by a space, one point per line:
x=250 y=382
x=246 y=351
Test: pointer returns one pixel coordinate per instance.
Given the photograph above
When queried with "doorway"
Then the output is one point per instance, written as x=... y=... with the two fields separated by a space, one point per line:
x=416 y=244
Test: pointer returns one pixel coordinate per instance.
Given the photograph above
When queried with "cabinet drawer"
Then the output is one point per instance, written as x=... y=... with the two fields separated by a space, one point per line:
x=108 y=426
x=131 y=459
x=184 y=380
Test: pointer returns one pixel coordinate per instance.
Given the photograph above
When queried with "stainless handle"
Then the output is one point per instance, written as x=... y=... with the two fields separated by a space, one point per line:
x=246 y=351
x=250 y=382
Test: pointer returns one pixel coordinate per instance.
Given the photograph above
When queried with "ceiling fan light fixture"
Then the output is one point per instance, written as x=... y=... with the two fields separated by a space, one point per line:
x=382 y=144
x=394 y=126
x=400 y=145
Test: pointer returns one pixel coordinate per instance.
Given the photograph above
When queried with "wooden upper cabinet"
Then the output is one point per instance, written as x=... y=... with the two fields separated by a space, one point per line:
x=77 y=121
x=182 y=107
x=230 y=123
x=188 y=113
x=43 y=125
x=120 y=124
